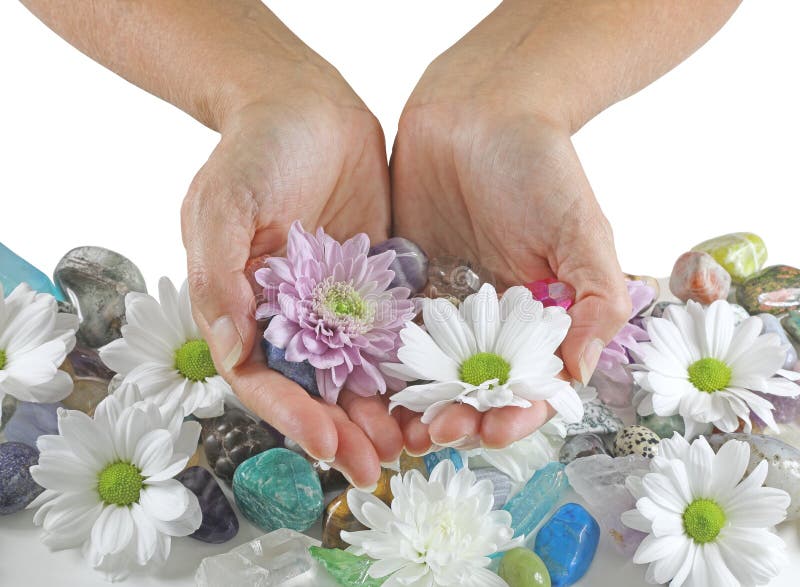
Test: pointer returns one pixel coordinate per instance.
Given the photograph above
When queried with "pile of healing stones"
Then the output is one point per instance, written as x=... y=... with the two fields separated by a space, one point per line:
x=283 y=491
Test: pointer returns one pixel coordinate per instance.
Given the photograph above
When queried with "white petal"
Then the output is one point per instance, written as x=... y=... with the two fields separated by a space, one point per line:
x=113 y=530
x=166 y=500
x=481 y=312
x=448 y=329
x=421 y=353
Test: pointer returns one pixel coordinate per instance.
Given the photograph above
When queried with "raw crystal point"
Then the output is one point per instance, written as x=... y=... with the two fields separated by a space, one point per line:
x=220 y=523
x=521 y=567
x=782 y=459
x=347 y=568
x=278 y=489
x=773 y=290
x=231 y=439
x=15 y=270
x=567 y=544
x=410 y=265
x=17 y=487
x=304 y=374
x=277 y=559
x=600 y=481
x=597 y=419
x=791 y=323
x=663 y=426
x=581 y=445
x=30 y=421
x=500 y=481
x=543 y=491
x=455 y=278
x=552 y=292
x=96 y=281
x=636 y=440
x=697 y=276
x=613 y=389
x=740 y=253
x=434 y=458
x=338 y=516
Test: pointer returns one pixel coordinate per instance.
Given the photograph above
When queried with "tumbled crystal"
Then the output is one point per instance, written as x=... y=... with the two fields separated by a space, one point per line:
x=501 y=484
x=773 y=290
x=348 y=569
x=600 y=481
x=636 y=440
x=521 y=567
x=32 y=420
x=791 y=322
x=434 y=458
x=697 y=276
x=96 y=281
x=543 y=491
x=303 y=373
x=17 y=487
x=409 y=462
x=740 y=253
x=15 y=270
x=552 y=292
x=597 y=419
x=567 y=544
x=90 y=379
x=8 y=405
x=338 y=516
x=220 y=523
x=410 y=264
x=581 y=445
x=451 y=277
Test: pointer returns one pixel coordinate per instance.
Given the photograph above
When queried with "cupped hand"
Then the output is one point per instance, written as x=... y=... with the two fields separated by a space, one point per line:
x=313 y=153
x=479 y=172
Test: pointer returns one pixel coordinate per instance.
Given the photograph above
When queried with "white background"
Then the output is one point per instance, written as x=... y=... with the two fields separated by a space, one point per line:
x=86 y=158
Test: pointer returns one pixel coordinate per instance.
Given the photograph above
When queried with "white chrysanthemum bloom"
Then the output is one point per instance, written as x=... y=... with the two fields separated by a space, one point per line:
x=34 y=341
x=706 y=526
x=486 y=353
x=699 y=365
x=438 y=533
x=162 y=351
x=109 y=484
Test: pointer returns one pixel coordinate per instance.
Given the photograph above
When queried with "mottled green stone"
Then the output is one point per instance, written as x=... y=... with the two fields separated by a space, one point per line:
x=521 y=567
x=664 y=426
x=740 y=253
x=774 y=290
x=348 y=569
x=278 y=489
x=791 y=323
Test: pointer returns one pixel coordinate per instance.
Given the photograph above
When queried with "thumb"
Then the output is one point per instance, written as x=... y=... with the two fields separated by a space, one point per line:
x=602 y=304
x=217 y=241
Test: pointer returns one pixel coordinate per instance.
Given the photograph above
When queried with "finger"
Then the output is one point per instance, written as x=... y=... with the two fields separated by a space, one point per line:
x=372 y=416
x=356 y=457
x=502 y=426
x=217 y=227
x=415 y=434
x=457 y=426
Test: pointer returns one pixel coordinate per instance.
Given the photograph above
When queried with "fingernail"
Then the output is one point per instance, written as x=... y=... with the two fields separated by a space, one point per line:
x=368 y=489
x=589 y=359
x=226 y=339
x=321 y=460
x=465 y=442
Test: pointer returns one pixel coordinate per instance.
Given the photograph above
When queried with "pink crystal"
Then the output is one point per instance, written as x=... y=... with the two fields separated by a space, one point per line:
x=552 y=292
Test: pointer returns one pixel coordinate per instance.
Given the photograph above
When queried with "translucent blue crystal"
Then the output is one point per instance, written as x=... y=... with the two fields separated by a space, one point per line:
x=434 y=458
x=542 y=492
x=15 y=270
x=567 y=544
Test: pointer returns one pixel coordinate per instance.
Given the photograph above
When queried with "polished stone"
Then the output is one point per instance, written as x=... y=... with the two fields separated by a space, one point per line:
x=552 y=292
x=304 y=374
x=410 y=264
x=597 y=419
x=91 y=379
x=96 y=281
x=540 y=494
x=501 y=484
x=451 y=277
x=8 y=405
x=774 y=326
x=278 y=489
x=348 y=569
x=338 y=516
x=231 y=439
x=773 y=290
x=791 y=322
x=409 y=462
x=636 y=440
x=740 y=253
x=32 y=420
x=15 y=270
x=17 y=487
x=434 y=458
x=567 y=543
x=663 y=426
x=220 y=523
x=521 y=567
x=581 y=445
x=697 y=276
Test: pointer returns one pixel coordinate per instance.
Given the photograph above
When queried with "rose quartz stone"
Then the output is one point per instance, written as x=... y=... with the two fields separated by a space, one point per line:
x=552 y=292
x=697 y=276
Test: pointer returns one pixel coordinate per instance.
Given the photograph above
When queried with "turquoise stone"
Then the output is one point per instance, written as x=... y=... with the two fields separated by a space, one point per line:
x=434 y=458
x=567 y=544
x=521 y=567
x=348 y=569
x=278 y=489
x=542 y=492
x=15 y=270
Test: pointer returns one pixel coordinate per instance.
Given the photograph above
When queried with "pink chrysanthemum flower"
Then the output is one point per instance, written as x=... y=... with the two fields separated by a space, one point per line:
x=615 y=355
x=330 y=305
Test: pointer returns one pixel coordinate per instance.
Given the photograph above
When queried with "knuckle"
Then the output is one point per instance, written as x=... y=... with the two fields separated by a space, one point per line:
x=200 y=282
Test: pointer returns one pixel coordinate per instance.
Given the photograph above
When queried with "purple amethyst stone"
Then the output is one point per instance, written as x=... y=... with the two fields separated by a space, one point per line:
x=220 y=523
x=410 y=266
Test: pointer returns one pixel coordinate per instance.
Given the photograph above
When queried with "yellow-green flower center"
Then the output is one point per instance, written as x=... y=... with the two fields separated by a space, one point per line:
x=120 y=483
x=343 y=300
x=703 y=520
x=709 y=375
x=483 y=367
x=3 y=360
x=193 y=361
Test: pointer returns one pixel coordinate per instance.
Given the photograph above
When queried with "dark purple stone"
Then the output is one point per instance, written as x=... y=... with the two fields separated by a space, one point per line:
x=304 y=374
x=410 y=266
x=32 y=420
x=86 y=363
x=17 y=487
x=220 y=523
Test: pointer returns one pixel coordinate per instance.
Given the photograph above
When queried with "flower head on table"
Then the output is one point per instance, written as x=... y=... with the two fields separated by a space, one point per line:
x=705 y=524
x=163 y=353
x=330 y=304
x=485 y=353
x=34 y=340
x=109 y=484
x=438 y=532
x=699 y=365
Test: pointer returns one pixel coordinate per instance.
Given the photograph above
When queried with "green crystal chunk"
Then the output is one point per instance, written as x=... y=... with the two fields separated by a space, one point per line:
x=521 y=567
x=348 y=569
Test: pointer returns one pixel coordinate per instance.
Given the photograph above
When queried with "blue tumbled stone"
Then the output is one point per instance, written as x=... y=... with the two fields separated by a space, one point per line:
x=17 y=487
x=32 y=420
x=15 y=270
x=567 y=544
x=540 y=494
x=434 y=458
x=278 y=489
x=304 y=374
x=220 y=523
x=410 y=264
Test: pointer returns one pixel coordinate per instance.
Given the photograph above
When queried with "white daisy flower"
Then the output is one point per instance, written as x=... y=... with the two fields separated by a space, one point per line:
x=699 y=365
x=34 y=341
x=162 y=351
x=706 y=526
x=486 y=354
x=108 y=483
x=438 y=533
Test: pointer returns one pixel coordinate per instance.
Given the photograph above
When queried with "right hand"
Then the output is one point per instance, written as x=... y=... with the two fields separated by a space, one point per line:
x=311 y=151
